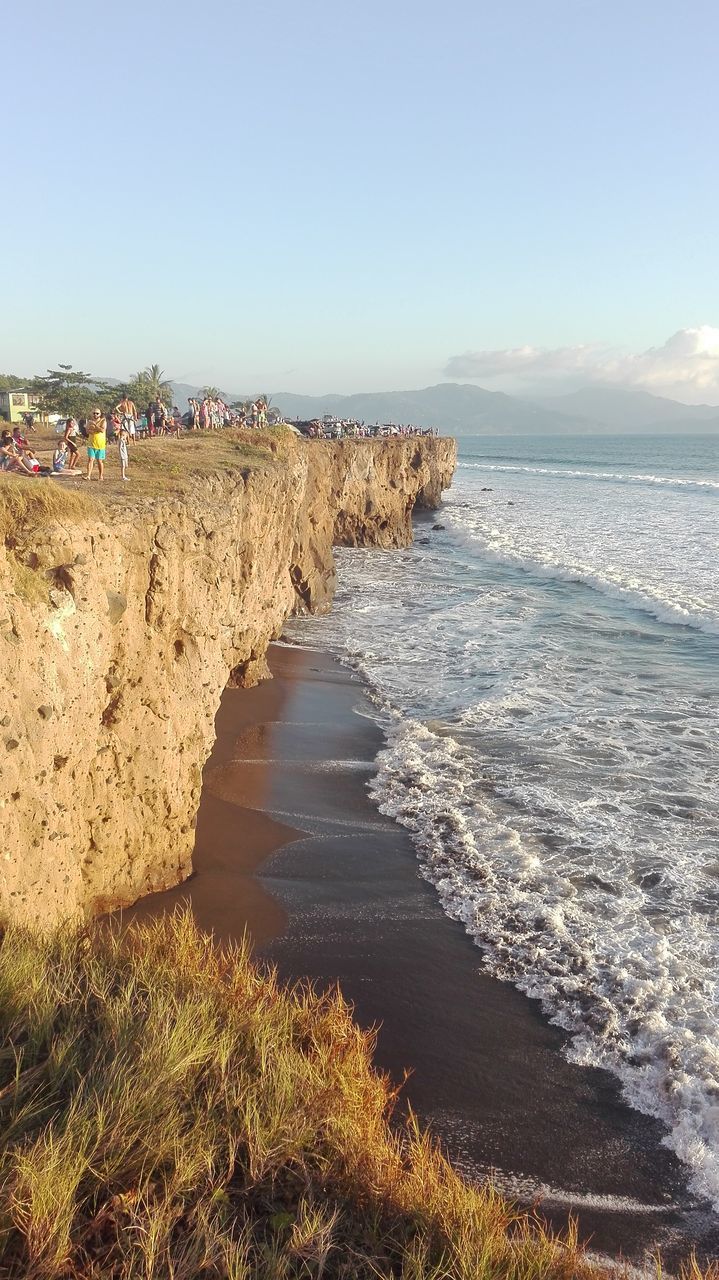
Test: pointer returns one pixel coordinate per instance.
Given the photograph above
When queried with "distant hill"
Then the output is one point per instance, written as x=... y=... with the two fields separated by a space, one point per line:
x=459 y=408
x=463 y=409
x=630 y=409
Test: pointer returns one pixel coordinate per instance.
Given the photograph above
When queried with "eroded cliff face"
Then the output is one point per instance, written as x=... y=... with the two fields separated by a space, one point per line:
x=113 y=669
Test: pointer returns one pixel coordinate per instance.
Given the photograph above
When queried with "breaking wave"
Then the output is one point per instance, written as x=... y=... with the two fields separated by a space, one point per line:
x=617 y=477
x=638 y=1000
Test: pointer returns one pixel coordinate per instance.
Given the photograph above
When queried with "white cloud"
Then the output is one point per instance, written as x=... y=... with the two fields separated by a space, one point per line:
x=685 y=367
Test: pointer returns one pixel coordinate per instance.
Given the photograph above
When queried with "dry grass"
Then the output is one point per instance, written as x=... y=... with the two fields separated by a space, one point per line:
x=158 y=468
x=28 y=503
x=171 y=1113
x=168 y=465
x=32 y=501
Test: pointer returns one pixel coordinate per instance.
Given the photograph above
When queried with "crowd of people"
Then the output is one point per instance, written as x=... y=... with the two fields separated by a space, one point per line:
x=212 y=414
x=121 y=425
x=125 y=423
x=349 y=428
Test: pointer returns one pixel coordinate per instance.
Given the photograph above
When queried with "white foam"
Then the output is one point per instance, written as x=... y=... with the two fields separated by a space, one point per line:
x=639 y=1003
x=307 y=766
x=618 y=477
x=656 y=556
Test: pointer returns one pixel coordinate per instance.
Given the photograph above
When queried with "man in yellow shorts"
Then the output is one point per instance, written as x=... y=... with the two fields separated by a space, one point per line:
x=96 y=444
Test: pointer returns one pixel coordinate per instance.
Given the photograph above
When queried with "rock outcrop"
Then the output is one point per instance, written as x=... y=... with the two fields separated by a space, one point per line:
x=113 y=669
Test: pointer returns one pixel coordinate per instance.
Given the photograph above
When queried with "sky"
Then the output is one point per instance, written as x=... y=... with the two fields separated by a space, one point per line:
x=325 y=197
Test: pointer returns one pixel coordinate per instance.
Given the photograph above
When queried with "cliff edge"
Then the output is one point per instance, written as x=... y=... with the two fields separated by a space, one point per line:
x=122 y=619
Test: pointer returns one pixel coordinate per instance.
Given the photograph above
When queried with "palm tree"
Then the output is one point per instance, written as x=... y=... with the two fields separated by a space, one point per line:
x=211 y=393
x=157 y=386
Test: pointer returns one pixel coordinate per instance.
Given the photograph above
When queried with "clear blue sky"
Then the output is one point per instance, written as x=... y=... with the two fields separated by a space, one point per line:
x=321 y=196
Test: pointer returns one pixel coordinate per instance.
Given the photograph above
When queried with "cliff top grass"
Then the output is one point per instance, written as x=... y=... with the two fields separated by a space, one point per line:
x=158 y=468
x=170 y=1112
x=28 y=501
x=168 y=465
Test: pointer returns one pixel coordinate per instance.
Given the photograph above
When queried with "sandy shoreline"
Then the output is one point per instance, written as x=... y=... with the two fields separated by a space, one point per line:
x=290 y=848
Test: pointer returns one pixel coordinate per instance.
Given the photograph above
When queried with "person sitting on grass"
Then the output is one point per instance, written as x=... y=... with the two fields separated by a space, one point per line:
x=59 y=458
x=13 y=459
x=8 y=452
x=96 y=444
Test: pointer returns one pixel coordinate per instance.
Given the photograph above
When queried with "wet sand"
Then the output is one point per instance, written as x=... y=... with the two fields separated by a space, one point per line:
x=290 y=848
x=234 y=834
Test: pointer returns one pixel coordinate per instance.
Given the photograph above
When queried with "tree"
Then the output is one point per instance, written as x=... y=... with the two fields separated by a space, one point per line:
x=8 y=381
x=148 y=385
x=154 y=383
x=212 y=393
x=108 y=394
x=138 y=389
x=65 y=390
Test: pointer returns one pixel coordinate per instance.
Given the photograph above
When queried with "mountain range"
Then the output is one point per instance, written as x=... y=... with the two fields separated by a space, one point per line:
x=464 y=409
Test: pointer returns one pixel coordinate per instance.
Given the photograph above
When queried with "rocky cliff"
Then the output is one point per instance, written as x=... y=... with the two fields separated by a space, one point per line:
x=120 y=626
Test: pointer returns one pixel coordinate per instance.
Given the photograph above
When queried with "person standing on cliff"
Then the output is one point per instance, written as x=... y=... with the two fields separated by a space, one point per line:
x=127 y=409
x=123 y=439
x=161 y=417
x=70 y=439
x=96 y=444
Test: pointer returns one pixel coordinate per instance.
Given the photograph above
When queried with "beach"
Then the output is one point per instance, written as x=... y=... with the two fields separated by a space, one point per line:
x=291 y=849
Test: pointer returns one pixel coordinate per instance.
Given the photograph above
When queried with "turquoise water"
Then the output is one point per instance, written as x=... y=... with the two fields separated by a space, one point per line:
x=547 y=667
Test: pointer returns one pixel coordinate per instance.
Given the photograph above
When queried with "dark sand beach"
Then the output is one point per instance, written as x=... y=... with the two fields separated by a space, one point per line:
x=290 y=848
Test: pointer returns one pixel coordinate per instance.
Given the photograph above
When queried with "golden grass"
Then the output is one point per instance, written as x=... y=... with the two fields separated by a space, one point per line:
x=169 y=1112
x=168 y=465
x=30 y=501
x=158 y=468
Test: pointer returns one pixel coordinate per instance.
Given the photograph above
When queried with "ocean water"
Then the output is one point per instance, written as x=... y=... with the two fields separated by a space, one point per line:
x=546 y=666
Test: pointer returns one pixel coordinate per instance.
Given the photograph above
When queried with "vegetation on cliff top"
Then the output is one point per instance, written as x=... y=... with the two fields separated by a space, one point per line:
x=170 y=1112
x=167 y=465
x=159 y=468
x=29 y=501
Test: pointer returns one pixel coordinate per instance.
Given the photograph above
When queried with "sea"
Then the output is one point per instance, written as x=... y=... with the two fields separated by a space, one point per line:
x=545 y=663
